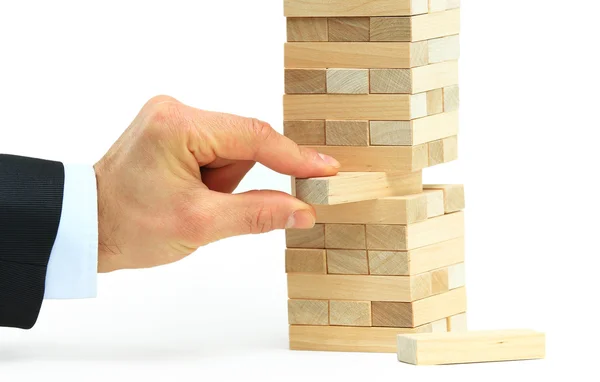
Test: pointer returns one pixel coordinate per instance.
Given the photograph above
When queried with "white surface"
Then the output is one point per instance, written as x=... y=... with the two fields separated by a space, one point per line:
x=73 y=75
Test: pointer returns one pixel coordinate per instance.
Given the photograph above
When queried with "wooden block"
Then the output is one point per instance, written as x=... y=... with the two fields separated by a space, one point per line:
x=355 y=55
x=435 y=101
x=306 y=238
x=457 y=323
x=305 y=132
x=305 y=81
x=439 y=281
x=390 y=210
x=415 y=80
x=347 y=262
x=420 y=312
x=378 y=158
x=421 y=234
x=347 y=133
x=349 y=339
x=350 y=313
x=391 y=107
x=443 y=5
x=345 y=236
x=451 y=98
x=416 y=261
x=415 y=28
x=308 y=312
x=443 y=151
x=415 y=132
x=471 y=347
x=454 y=196
x=443 y=49
x=456 y=276
x=347 y=81
x=349 y=29
x=306 y=29
x=305 y=261
x=435 y=203
x=391 y=29
x=328 y=8
x=346 y=187
x=361 y=288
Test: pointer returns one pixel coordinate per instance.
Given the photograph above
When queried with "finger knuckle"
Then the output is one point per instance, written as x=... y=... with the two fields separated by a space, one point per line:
x=260 y=130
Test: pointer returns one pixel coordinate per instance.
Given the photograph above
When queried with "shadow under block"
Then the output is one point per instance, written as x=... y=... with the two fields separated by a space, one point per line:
x=360 y=288
x=415 y=28
x=305 y=81
x=420 y=312
x=305 y=261
x=351 y=339
x=443 y=151
x=308 y=312
x=457 y=323
x=415 y=132
x=412 y=236
x=347 y=81
x=306 y=238
x=346 y=187
x=471 y=347
x=305 y=132
x=307 y=29
x=415 y=80
x=454 y=196
x=347 y=133
x=327 y=8
x=349 y=29
x=350 y=313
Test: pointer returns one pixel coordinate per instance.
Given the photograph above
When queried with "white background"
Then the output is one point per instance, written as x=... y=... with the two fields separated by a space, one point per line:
x=73 y=74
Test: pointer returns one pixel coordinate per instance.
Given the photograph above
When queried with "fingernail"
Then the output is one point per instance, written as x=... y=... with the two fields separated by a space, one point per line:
x=330 y=161
x=301 y=219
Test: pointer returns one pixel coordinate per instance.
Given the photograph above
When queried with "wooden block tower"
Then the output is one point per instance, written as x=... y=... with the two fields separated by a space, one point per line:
x=374 y=84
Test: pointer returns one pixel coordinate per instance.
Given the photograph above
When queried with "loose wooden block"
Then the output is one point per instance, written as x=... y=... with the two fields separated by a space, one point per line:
x=378 y=158
x=305 y=81
x=328 y=8
x=415 y=80
x=442 y=5
x=420 y=312
x=439 y=281
x=416 y=28
x=347 y=81
x=350 y=313
x=471 y=347
x=421 y=234
x=349 y=339
x=360 y=288
x=349 y=29
x=308 y=312
x=305 y=132
x=435 y=203
x=435 y=101
x=346 y=187
x=345 y=236
x=443 y=49
x=355 y=55
x=307 y=29
x=419 y=260
x=389 y=107
x=415 y=132
x=457 y=323
x=443 y=151
x=306 y=238
x=305 y=261
x=347 y=262
x=451 y=98
x=390 y=210
x=456 y=276
x=454 y=196
x=347 y=133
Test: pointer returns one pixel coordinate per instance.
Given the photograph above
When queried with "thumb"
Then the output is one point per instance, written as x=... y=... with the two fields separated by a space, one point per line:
x=256 y=212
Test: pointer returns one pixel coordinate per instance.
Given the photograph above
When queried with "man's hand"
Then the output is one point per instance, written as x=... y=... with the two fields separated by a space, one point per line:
x=165 y=187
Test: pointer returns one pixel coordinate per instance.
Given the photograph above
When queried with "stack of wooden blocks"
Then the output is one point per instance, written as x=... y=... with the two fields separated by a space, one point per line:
x=374 y=84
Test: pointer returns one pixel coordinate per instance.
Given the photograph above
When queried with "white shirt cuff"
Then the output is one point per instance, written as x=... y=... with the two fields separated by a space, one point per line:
x=73 y=266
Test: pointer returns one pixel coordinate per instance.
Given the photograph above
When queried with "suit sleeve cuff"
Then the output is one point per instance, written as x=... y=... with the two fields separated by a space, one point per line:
x=73 y=266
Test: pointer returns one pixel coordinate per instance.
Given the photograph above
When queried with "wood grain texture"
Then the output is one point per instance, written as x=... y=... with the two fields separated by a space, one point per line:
x=443 y=151
x=346 y=187
x=443 y=49
x=378 y=158
x=350 y=313
x=386 y=107
x=308 y=312
x=306 y=238
x=435 y=203
x=457 y=323
x=434 y=25
x=308 y=132
x=349 y=339
x=347 y=81
x=419 y=260
x=454 y=196
x=451 y=98
x=345 y=236
x=415 y=80
x=347 y=133
x=349 y=29
x=347 y=262
x=307 y=29
x=305 y=81
x=471 y=347
x=415 y=132
x=391 y=29
x=355 y=55
x=439 y=281
x=435 y=101
x=305 y=261
x=360 y=287
x=420 y=312
x=341 y=8
x=391 y=81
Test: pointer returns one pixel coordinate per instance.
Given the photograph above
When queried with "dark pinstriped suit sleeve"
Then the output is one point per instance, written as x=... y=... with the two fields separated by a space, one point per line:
x=31 y=195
